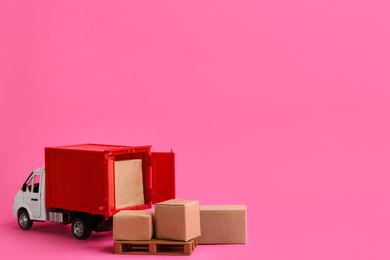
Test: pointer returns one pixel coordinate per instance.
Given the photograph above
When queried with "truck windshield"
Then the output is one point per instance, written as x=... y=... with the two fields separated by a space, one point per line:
x=27 y=179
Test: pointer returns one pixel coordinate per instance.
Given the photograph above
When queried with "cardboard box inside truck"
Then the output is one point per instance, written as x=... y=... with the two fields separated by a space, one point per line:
x=129 y=189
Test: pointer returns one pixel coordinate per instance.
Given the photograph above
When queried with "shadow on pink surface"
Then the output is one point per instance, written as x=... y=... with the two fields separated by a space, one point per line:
x=54 y=238
x=48 y=230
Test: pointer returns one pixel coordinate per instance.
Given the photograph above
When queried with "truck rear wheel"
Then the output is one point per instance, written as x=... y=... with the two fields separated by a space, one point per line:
x=81 y=228
x=24 y=220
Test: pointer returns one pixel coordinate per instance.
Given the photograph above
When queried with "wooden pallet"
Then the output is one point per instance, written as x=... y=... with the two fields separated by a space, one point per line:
x=155 y=247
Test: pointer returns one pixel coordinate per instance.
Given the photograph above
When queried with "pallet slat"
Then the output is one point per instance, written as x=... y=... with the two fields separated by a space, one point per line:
x=155 y=247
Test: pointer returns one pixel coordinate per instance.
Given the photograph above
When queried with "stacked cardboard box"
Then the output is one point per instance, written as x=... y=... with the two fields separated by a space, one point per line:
x=175 y=223
x=174 y=219
x=177 y=219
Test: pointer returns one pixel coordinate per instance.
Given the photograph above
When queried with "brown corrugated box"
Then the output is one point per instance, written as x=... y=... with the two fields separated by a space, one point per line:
x=129 y=189
x=223 y=224
x=177 y=219
x=133 y=225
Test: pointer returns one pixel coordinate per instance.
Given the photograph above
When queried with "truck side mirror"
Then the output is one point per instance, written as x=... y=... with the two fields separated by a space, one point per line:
x=24 y=187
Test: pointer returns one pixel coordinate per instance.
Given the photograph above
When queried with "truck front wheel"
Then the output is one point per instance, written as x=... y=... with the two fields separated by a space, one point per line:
x=81 y=228
x=24 y=220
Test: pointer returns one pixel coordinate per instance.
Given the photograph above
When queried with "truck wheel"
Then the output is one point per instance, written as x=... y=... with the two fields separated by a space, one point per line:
x=81 y=229
x=24 y=220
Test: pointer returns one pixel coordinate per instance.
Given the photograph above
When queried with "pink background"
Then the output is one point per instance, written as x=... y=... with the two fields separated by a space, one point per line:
x=279 y=105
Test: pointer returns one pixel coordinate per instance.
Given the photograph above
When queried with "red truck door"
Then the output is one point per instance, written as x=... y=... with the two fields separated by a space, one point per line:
x=163 y=177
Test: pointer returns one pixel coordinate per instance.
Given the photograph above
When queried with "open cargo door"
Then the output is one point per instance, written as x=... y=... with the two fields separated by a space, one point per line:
x=163 y=177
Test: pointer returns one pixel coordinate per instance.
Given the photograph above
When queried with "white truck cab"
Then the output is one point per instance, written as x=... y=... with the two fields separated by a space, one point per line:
x=29 y=202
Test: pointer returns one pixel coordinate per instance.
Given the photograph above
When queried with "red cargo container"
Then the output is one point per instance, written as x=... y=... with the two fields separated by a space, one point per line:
x=82 y=177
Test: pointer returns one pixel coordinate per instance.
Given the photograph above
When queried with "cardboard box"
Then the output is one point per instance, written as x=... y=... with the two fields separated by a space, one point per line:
x=129 y=189
x=223 y=224
x=177 y=219
x=133 y=225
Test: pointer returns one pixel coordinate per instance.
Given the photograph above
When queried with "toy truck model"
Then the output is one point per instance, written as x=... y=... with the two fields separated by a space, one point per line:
x=87 y=184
